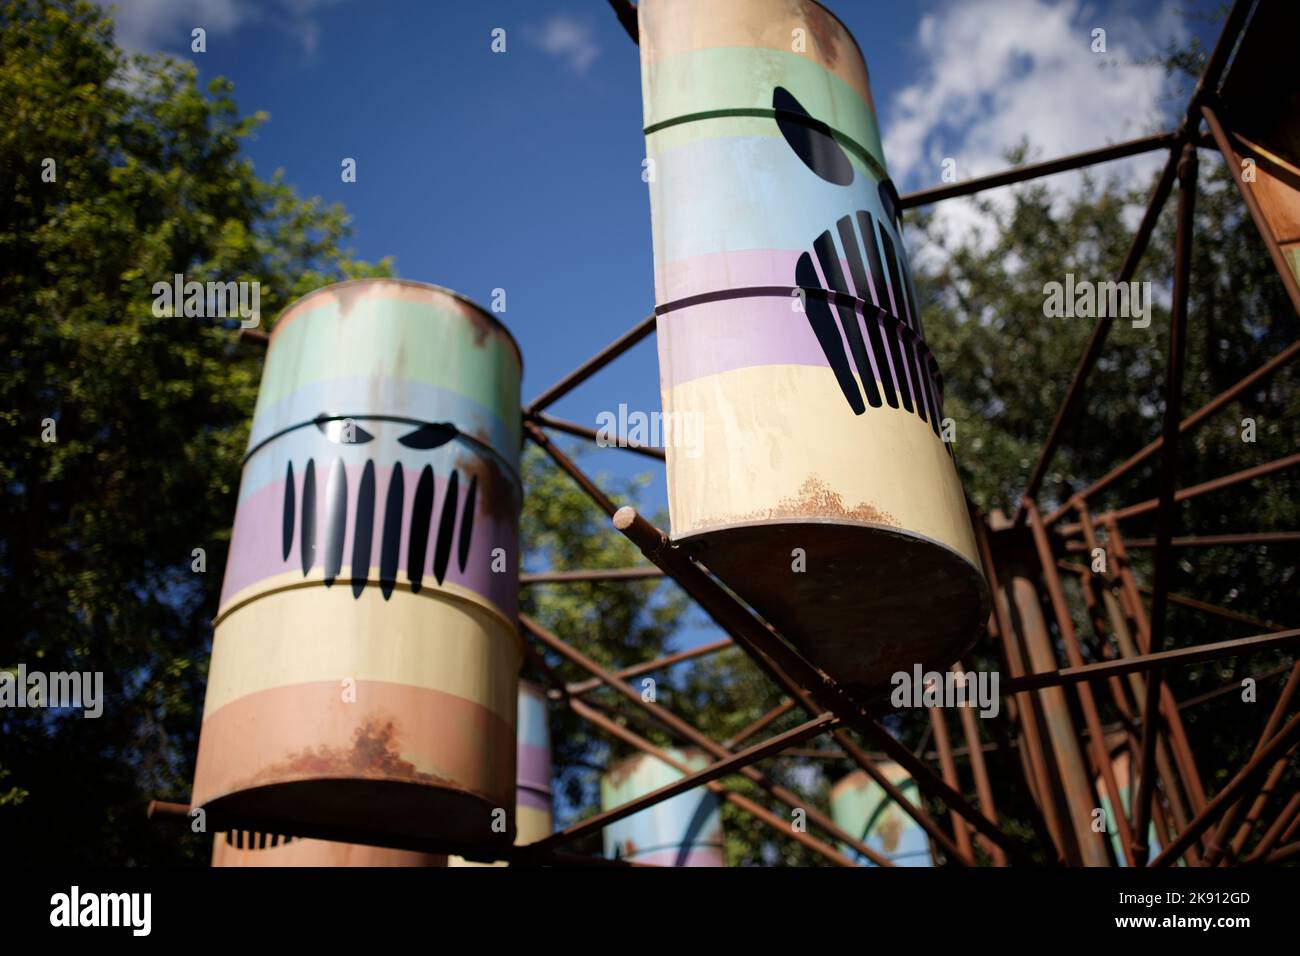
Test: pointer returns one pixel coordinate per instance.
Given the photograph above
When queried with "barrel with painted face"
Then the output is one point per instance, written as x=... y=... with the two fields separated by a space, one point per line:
x=860 y=806
x=365 y=661
x=685 y=830
x=806 y=458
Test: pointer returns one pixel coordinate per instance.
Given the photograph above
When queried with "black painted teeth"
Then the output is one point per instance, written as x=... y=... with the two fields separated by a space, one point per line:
x=882 y=291
x=335 y=529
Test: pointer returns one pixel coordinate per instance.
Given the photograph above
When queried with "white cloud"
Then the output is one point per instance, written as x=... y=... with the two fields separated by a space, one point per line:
x=146 y=26
x=570 y=40
x=994 y=73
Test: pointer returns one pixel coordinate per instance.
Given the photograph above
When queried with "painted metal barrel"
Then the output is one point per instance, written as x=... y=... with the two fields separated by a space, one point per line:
x=243 y=848
x=533 y=820
x=1124 y=781
x=685 y=830
x=365 y=660
x=861 y=807
x=804 y=425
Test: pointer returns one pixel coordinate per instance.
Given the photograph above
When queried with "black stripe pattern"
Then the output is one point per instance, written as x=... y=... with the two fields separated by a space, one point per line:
x=332 y=535
x=893 y=362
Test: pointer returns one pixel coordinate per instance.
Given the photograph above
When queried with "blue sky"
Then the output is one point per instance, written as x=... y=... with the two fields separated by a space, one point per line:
x=522 y=170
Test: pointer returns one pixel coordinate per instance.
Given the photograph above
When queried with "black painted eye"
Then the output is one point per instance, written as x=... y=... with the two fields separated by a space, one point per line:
x=811 y=139
x=430 y=435
x=342 y=431
x=889 y=201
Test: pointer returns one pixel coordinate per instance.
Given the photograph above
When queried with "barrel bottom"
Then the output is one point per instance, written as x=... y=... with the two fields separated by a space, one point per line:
x=395 y=814
x=871 y=601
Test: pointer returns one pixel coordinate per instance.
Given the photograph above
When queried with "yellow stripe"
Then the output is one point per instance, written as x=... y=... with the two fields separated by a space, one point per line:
x=314 y=634
x=778 y=442
x=448 y=591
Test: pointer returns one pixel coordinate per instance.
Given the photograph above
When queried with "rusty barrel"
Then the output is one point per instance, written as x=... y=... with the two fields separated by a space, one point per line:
x=365 y=660
x=860 y=806
x=803 y=413
x=685 y=830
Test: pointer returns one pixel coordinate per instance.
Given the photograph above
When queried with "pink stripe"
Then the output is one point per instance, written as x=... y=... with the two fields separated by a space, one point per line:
x=256 y=541
x=734 y=333
x=737 y=270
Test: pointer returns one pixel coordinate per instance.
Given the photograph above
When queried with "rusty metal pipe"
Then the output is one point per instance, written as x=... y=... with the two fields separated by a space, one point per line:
x=1151 y=662
x=1188 y=424
x=1019 y=174
x=582 y=431
x=593 y=364
x=1065 y=627
x=948 y=767
x=775 y=713
x=1280 y=744
x=636 y=670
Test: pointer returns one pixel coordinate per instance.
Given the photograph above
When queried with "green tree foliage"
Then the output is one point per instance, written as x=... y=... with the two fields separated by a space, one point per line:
x=151 y=413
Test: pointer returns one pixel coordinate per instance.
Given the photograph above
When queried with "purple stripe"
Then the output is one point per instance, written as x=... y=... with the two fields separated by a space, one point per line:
x=536 y=800
x=256 y=552
x=737 y=270
x=533 y=766
x=714 y=337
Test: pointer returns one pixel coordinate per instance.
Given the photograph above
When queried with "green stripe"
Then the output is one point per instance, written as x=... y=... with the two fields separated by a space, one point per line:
x=738 y=81
x=846 y=141
x=393 y=338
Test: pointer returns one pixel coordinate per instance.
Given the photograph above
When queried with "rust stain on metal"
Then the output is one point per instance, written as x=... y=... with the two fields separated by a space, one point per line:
x=497 y=492
x=825 y=29
x=346 y=295
x=374 y=753
x=816 y=499
x=891 y=831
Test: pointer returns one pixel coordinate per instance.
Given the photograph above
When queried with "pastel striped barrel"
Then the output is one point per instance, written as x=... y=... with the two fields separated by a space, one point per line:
x=365 y=659
x=685 y=830
x=804 y=423
x=533 y=759
x=859 y=806
x=533 y=820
